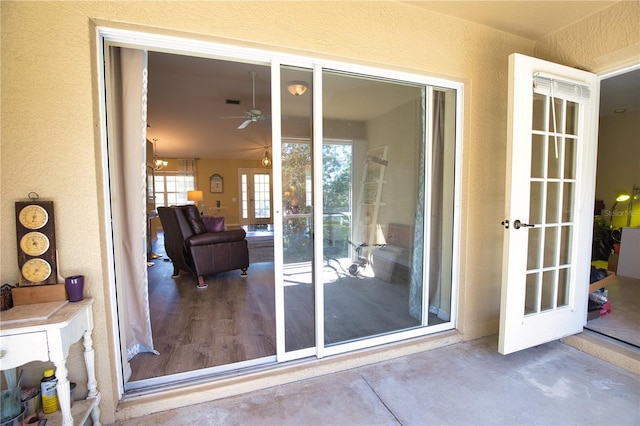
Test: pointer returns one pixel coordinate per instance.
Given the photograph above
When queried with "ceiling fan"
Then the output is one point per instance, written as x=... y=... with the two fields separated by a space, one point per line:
x=252 y=115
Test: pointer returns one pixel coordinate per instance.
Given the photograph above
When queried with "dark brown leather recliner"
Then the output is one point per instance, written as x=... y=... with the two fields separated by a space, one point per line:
x=192 y=248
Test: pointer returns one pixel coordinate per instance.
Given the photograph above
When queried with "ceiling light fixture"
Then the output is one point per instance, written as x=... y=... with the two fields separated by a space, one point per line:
x=158 y=164
x=297 y=88
x=266 y=161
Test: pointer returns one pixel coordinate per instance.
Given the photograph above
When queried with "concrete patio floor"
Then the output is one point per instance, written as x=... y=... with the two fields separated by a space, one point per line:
x=467 y=383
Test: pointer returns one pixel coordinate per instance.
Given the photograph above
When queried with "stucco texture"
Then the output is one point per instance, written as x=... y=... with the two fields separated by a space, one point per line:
x=598 y=43
x=50 y=116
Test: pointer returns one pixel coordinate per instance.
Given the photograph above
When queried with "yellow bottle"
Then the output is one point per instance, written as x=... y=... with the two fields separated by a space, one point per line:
x=49 y=392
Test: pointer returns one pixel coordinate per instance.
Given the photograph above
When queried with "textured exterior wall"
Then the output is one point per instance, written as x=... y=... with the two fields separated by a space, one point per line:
x=605 y=40
x=51 y=144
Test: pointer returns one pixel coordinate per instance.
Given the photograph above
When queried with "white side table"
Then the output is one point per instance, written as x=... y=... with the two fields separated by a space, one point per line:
x=29 y=337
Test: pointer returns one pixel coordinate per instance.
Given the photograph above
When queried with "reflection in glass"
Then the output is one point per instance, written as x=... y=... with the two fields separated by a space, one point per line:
x=564 y=283
x=572 y=118
x=570 y=158
x=299 y=293
x=550 y=246
x=553 y=201
x=548 y=290
x=555 y=110
x=552 y=196
x=374 y=192
x=533 y=251
x=565 y=244
x=539 y=107
x=531 y=293
x=567 y=201
x=537 y=156
x=554 y=157
x=370 y=259
x=535 y=206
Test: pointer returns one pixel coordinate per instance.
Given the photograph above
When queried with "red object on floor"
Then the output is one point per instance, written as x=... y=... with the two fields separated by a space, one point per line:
x=605 y=309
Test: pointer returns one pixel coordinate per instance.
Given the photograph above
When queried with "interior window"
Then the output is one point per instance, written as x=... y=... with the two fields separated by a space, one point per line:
x=171 y=188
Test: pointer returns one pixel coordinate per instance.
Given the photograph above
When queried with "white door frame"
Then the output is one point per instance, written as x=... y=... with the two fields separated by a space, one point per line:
x=520 y=330
x=172 y=44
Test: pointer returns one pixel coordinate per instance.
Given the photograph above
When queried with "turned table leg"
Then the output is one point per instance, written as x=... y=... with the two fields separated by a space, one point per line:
x=63 y=390
x=92 y=383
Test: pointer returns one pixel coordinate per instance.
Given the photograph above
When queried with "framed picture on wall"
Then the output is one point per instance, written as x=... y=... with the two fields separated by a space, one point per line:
x=216 y=183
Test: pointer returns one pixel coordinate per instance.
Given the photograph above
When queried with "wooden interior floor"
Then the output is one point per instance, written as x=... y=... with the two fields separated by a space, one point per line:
x=233 y=320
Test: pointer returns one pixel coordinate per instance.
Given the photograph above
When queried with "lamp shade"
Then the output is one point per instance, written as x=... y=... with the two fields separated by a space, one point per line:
x=194 y=195
x=622 y=197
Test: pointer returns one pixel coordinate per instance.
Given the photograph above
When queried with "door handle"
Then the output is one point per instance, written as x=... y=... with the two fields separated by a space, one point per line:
x=517 y=225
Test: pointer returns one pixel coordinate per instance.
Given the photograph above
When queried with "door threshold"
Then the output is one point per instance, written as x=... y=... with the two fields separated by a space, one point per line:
x=177 y=380
x=203 y=389
x=613 y=351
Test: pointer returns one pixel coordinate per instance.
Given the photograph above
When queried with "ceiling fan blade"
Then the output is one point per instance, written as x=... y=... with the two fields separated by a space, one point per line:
x=244 y=124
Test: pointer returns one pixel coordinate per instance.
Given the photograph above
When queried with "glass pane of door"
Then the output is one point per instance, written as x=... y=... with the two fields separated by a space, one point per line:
x=296 y=191
x=262 y=197
x=552 y=211
x=373 y=269
x=255 y=197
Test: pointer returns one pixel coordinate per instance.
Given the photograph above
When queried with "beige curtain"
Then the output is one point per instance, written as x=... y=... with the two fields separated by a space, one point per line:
x=187 y=167
x=436 y=182
x=437 y=186
x=127 y=118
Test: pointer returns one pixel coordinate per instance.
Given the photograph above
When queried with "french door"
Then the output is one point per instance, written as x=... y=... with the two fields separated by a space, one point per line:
x=551 y=153
x=255 y=196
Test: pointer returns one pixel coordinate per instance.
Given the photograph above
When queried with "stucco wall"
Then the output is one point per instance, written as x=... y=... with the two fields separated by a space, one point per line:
x=51 y=144
x=600 y=42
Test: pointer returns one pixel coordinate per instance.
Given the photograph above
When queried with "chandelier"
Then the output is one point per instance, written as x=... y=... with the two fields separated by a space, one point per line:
x=158 y=163
x=266 y=161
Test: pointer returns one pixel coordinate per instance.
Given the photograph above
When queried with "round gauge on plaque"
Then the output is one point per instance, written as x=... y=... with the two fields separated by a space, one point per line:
x=33 y=216
x=36 y=270
x=34 y=243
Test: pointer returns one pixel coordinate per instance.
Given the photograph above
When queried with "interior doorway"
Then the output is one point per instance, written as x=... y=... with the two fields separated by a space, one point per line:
x=618 y=173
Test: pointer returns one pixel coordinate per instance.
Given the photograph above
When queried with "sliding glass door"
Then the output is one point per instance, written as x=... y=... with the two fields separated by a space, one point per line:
x=372 y=275
x=367 y=171
x=362 y=191
x=296 y=191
